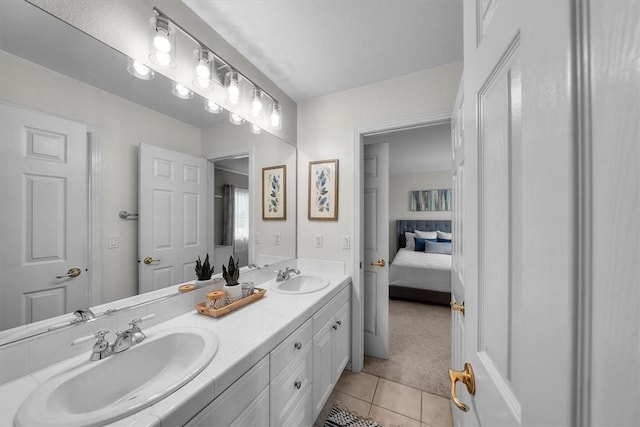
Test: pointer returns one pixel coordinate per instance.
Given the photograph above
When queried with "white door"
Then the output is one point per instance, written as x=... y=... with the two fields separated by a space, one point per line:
x=172 y=227
x=376 y=250
x=457 y=265
x=519 y=231
x=43 y=176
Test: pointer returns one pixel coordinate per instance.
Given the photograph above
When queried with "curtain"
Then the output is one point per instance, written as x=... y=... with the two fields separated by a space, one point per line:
x=228 y=214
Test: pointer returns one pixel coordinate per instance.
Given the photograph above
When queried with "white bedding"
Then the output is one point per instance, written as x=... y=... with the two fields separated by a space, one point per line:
x=421 y=270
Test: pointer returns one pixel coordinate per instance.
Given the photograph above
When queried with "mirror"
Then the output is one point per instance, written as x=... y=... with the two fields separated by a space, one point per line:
x=89 y=84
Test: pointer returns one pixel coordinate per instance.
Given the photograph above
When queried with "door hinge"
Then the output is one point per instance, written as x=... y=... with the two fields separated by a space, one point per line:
x=360 y=265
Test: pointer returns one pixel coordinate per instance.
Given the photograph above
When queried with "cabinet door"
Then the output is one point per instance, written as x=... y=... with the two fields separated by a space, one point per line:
x=322 y=367
x=256 y=414
x=341 y=341
x=300 y=416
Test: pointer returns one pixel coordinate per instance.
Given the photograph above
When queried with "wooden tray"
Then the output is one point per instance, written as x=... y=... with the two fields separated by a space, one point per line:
x=217 y=312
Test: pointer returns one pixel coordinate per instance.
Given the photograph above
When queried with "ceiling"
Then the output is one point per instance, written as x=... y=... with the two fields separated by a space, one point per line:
x=311 y=48
x=417 y=150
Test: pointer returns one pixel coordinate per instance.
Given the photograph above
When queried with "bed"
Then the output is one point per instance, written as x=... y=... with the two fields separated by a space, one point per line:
x=417 y=275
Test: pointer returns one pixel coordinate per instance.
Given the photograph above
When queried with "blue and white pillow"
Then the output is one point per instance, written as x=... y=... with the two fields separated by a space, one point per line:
x=438 y=247
x=421 y=243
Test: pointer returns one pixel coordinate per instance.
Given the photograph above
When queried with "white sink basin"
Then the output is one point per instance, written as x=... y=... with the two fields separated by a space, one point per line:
x=100 y=392
x=302 y=284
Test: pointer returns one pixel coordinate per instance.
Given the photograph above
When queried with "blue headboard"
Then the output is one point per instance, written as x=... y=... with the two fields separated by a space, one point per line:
x=403 y=225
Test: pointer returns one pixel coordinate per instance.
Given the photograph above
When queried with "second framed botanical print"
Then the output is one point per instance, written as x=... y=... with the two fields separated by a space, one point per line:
x=323 y=190
x=274 y=192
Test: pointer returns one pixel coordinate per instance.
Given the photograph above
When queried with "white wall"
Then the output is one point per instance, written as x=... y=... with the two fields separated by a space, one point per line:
x=223 y=140
x=399 y=188
x=326 y=131
x=123 y=126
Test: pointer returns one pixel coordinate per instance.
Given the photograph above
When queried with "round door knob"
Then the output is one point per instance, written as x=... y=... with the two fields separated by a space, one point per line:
x=148 y=260
x=379 y=263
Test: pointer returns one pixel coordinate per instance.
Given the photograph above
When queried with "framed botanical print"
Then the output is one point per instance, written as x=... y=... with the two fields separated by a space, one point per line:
x=323 y=190
x=274 y=192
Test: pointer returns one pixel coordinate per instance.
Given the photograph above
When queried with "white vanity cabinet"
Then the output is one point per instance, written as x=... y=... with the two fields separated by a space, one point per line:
x=291 y=375
x=331 y=347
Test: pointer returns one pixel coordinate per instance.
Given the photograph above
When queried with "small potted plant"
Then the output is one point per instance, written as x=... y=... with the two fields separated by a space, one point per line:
x=204 y=271
x=231 y=274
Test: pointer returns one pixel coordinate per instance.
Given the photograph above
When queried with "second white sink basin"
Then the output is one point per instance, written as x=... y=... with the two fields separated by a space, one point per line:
x=97 y=393
x=302 y=284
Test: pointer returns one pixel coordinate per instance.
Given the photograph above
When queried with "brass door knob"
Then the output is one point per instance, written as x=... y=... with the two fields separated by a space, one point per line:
x=148 y=260
x=467 y=377
x=379 y=263
x=73 y=272
x=456 y=307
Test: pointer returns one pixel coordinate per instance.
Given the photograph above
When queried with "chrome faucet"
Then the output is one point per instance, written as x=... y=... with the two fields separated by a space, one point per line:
x=285 y=273
x=84 y=313
x=123 y=341
x=130 y=337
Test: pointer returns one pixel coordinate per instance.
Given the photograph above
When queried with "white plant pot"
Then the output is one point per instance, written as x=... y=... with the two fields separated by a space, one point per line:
x=203 y=283
x=233 y=292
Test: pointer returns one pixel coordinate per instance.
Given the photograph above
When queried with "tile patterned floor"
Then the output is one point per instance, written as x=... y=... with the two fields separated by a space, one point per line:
x=387 y=402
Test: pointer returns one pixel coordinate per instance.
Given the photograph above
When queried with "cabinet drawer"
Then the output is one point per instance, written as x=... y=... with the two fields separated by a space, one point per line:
x=291 y=347
x=301 y=414
x=290 y=387
x=330 y=309
x=256 y=414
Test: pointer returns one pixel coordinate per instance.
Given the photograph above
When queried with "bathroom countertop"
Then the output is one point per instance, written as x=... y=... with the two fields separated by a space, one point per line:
x=245 y=336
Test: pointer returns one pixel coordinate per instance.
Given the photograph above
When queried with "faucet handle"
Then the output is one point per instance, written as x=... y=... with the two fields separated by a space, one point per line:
x=99 y=335
x=135 y=322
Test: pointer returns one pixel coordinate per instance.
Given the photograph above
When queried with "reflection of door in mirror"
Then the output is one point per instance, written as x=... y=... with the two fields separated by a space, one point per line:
x=44 y=177
x=231 y=211
x=172 y=228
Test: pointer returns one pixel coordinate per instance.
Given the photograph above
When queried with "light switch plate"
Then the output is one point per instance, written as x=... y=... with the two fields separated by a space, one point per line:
x=257 y=239
x=114 y=241
x=345 y=241
x=277 y=238
x=318 y=240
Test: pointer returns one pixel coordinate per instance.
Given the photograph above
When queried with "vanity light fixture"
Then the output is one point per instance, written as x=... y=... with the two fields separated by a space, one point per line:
x=203 y=68
x=232 y=82
x=139 y=70
x=274 y=118
x=255 y=129
x=209 y=68
x=162 y=42
x=181 y=91
x=256 y=101
x=211 y=106
x=235 y=119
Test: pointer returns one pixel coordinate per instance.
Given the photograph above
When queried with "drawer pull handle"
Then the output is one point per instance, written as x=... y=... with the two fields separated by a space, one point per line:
x=298 y=345
x=335 y=326
x=339 y=322
x=298 y=384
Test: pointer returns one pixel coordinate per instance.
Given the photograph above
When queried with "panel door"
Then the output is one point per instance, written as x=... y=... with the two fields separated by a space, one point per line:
x=376 y=250
x=518 y=185
x=172 y=225
x=323 y=382
x=341 y=342
x=44 y=177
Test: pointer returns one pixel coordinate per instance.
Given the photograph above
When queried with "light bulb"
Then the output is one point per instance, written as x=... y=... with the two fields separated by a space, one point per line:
x=235 y=119
x=163 y=58
x=202 y=69
x=140 y=68
x=275 y=115
x=212 y=107
x=256 y=102
x=255 y=129
x=161 y=41
x=233 y=87
x=181 y=91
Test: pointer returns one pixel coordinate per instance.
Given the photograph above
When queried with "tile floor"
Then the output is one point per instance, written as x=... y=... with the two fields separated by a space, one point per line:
x=387 y=402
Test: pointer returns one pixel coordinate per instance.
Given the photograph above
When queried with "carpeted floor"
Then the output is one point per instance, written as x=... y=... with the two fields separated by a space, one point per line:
x=419 y=347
